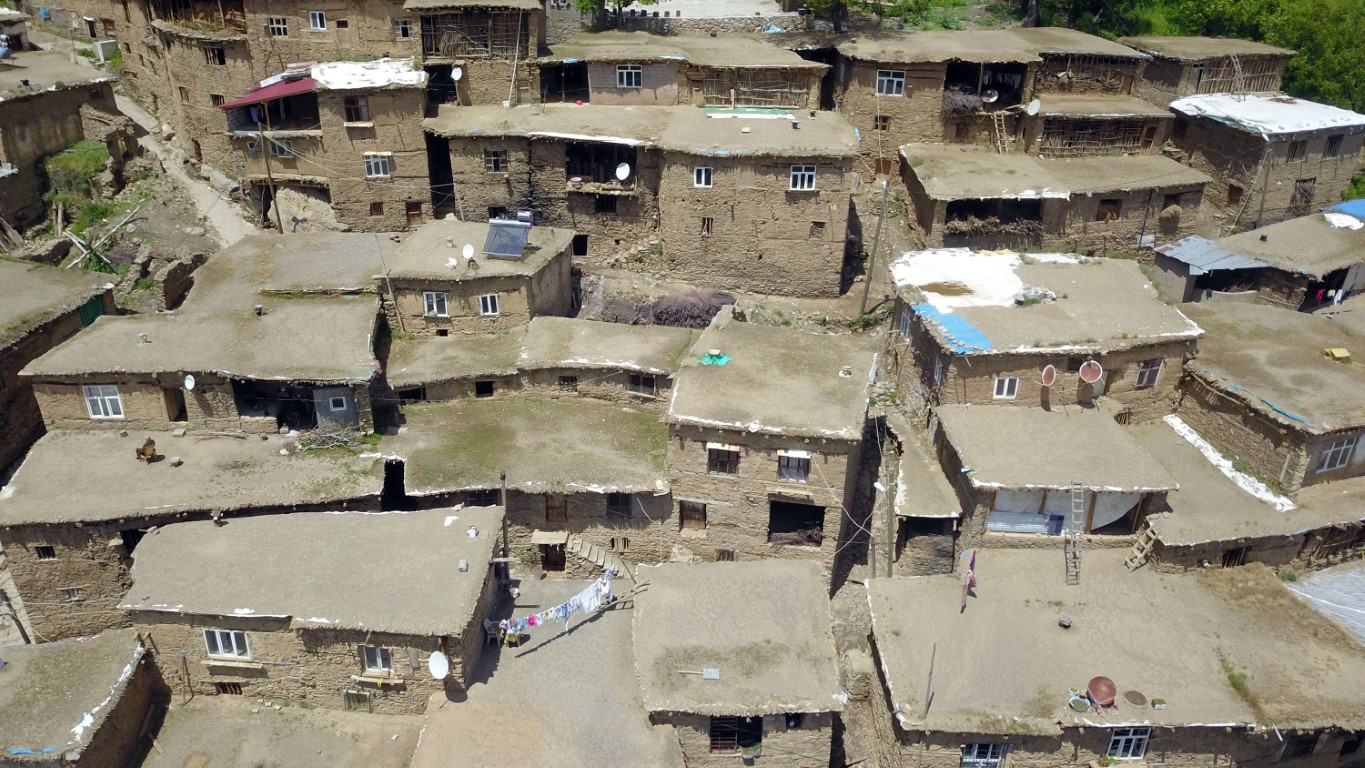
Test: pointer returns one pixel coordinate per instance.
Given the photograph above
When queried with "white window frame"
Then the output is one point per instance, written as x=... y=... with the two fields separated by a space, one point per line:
x=280 y=148
x=103 y=401
x=377 y=166
x=1148 y=374
x=890 y=82
x=435 y=304
x=905 y=323
x=1337 y=454
x=1006 y=388
x=377 y=659
x=317 y=21
x=703 y=176
x=402 y=29
x=1128 y=743
x=360 y=104
x=489 y=306
x=277 y=26
x=232 y=644
x=984 y=754
x=630 y=76
x=332 y=403
x=938 y=370
x=802 y=178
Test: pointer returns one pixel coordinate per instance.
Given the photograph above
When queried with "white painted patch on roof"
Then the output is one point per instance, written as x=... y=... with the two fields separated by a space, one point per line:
x=1268 y=113
x=1244 y=481
x=450 y=519
x=1343 y=220
x=951 y=278
x=380 y=73
x=88 y=719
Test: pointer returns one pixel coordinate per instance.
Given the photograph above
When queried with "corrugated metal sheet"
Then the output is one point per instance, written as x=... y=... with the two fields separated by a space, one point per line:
x=1204 y=255
x=506 y=239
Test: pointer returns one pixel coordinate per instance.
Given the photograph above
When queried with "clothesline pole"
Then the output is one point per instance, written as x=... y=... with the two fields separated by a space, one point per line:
x=507 y=567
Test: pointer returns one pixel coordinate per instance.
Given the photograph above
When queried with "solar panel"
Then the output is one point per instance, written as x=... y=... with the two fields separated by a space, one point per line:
x=506 y=239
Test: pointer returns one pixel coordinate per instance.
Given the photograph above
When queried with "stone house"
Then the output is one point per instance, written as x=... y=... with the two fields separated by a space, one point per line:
x=1090 y=125
x=1264 y=391
x=48 y=103
x=582 y=478
x=108 y=688
x=765 y=436
x=971 y=196
x=638 y=68
x=777 y=696
x=1026 y=476
x=40 y=307
x=493 y=44
x=464 y=277
x=1160 y=707
x=1302 y=263
x=429 y=368
x=1186 y=66
x=15 y=24
x=340 y=636
x=342 y=137
x=1271 y=156
x=982 y=327
x=915 y=520
x=69 y=545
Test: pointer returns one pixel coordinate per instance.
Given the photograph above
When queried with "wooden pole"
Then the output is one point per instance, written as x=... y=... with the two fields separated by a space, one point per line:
x=872 y=257
x=13 y=614
x=265 y=145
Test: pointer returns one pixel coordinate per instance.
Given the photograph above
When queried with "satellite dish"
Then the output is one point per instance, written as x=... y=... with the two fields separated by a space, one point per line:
x=438 y=665
x=623 y=171
x=456 y=74
x=1049 y=375
x=991 y=96
x=1091 y=371
x=1033 y=107
x=189 y=382
x=468 y=251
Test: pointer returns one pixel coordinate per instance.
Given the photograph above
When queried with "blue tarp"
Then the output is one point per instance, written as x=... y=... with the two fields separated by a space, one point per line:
x=1354 y=208
x=963 y=337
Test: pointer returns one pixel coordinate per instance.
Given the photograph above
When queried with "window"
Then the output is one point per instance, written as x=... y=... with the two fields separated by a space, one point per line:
x=495 y=161
x=336 y=403
x=702 y=176
x=1304 y=190
x=184 y=95
x=376 y=659
x=618 y=504
x=1169 y=200
x=691 y=514
x=1148 y=373
x=377 y=166
x=357 y=109
x=630 y=76
x=216 y=99
x=707 y=224
x=728 y=734
x=722 y=461
x=44 y=552
x=281 y=148
x=604 y=204
x=1006 y=387
x=962 y=131
x=277 y=26
x=793 y=466
x=486 y=498
x=228 y=689
x=905 y=322
x=402 y=29
x=725 y=555
x=376 y=209
x=982 y=755
x=1128 y=743
x=497 y=211
x=882 y=122
x=317 y=20
x=1298 y=150
x=803 y=177
x=227 y=642
x=483 y=388
x=343 y=24
x=434 y=304
x=619 y=544
x=890 y=82
x=817 y=229
x=1338 y=454
x=1300 y=746
x=102 y=401
x=641 y=384
x=488 y=305
x=1109 y=210
x=1234 y=194
x=215 y=56
x=73 y=594
x=1333 y=148
x=568 y=383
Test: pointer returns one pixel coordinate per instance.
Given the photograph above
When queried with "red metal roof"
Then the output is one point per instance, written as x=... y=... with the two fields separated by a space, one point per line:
x=274 y=91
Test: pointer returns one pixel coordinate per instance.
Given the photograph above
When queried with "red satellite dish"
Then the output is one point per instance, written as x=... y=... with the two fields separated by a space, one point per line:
x=1049 y=375
x=1091 y=371
x=1102 y=689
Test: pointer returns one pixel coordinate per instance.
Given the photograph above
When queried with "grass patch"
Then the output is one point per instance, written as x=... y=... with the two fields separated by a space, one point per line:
x=1288 y=576
x=1238 y=682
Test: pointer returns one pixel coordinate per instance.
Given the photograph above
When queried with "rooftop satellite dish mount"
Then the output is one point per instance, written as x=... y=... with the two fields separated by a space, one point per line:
x=467 y=251
x=1033 y=107
x=1049 y=375
x=990 y=96
x=438 y=665
x=456 y=74
x=1091 y=371
x=189 y=382
x=623 y=171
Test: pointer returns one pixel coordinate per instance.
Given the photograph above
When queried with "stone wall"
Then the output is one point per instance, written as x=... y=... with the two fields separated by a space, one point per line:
x=917 y=116
x=654 y=23
x=659 y=84
x=1057 y=136
x=117 y=737
x=1269 y=450
x=595 y=383
x=1281 y=289
x=805 y=746
x=520 y=298
x=647 y=536
x=1274 y=551
x=1165 y=80
x=91 y=558
x=737 y=506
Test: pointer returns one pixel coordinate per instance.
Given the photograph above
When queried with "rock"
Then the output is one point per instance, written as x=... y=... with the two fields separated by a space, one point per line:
x=196 y=231
x=255 y=710
x=178 y=432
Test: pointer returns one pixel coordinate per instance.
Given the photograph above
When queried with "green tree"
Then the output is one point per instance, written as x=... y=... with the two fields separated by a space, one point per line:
x=1330 y=38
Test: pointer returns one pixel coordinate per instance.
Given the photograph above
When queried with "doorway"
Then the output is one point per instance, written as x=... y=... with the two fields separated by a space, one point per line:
x=440 y=174
x=1235 y=557
x=175 y=404
x=794 y=523
x=552 y=557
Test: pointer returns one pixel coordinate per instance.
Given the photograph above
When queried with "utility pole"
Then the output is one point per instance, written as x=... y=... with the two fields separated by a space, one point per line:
x=268 y=146
x=13 y=614
x=507 y=567
x=872 y=257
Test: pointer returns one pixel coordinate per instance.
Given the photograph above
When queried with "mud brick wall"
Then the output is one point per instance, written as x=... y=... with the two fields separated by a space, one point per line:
x=116 y=737
x=32 y=128
x=917 y=116
x=806 y=746
x=520 y=298
x=369 y=31
x=1274 y=551
x=87 y=558
x=1165 y=80
x=763 y=236
x=647 y=536
x=659 y=85
x=596 y=384
x=1270 y=450
x=395 y=127
x=477 y=189
x=737 y=506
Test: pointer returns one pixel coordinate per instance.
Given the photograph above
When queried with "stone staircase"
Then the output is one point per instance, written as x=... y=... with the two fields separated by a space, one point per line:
x=598 y=556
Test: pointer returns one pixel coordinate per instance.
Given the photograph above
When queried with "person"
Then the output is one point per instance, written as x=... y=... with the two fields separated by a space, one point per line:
x=5 y=46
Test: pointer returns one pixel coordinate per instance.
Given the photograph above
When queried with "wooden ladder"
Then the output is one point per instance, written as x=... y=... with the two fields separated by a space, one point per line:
x=1239 y=81
x=998 y=123
x=1075 y=528
x=1142 y=548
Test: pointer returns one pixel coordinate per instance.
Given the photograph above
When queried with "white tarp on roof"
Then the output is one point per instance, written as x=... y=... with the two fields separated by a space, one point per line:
x=348 y=75
x=951 y=278
x=1268 y=113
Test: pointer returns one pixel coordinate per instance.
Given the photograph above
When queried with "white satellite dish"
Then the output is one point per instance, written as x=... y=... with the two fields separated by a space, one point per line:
x=189 y=382
x=990 y=96
x=438 y=665
x=623 y=171
x=467 y=251
x=1033 y=107
x=456 y=74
